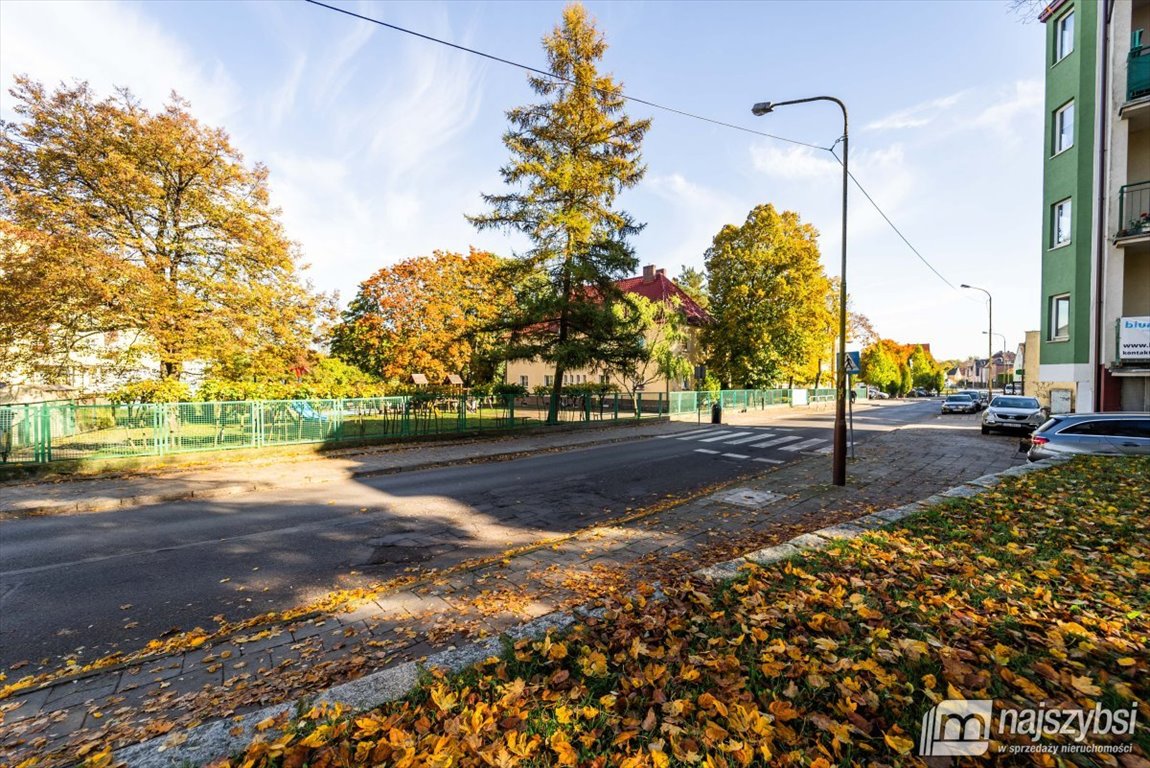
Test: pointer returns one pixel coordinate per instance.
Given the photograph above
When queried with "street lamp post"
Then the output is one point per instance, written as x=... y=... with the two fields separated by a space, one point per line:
x=839 y=469
x=989 y=336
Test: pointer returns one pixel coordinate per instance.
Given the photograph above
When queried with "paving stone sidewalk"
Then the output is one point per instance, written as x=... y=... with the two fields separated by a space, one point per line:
x=168 y=694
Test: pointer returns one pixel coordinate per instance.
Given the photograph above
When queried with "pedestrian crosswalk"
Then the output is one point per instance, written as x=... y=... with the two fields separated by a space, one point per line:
x=804 y=445
x=716 y=438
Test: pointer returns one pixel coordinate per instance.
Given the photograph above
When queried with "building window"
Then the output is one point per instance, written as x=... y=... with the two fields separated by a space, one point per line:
x=1064 y=128
x=523 y=381
x=1060 y=317
x=1064 y=37
x=546 y=381
x=1060 y=226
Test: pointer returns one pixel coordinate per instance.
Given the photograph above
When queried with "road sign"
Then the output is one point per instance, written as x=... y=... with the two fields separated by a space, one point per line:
x=852 y=363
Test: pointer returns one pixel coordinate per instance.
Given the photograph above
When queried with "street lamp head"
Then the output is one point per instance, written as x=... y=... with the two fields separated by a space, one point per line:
x=964 y=285
x=762 y=108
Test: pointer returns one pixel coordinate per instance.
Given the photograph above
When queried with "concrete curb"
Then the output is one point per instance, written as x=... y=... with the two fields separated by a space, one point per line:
x=824 y=537
x=221 y=737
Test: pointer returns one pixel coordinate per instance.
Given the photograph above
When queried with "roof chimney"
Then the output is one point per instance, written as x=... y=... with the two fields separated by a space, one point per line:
x=649 y=273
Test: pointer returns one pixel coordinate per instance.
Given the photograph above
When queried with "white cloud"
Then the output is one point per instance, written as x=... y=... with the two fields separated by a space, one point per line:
x=110 y=44
x=443 y=89
x=283 y=99
x=377 y=181
x=793 y=162
x=803 y=176
x=335 y=72
x=694 y=213
x=916 y=116
x=1022 y=100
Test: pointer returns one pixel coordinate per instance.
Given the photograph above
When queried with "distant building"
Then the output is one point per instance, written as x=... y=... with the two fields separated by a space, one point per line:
x=104 y=362
x=653 y=285
x=1094 y=340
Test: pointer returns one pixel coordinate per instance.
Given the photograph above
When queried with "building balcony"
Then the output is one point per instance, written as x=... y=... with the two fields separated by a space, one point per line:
x=1138 y=73
x=1133 y=213
x=1136 y=109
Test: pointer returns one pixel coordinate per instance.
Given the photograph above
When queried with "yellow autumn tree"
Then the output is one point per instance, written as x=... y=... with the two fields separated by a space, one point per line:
x=147 y=224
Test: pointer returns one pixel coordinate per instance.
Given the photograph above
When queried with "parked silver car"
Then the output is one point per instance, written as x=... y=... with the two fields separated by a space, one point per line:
x=1117 y=433
x=1013 y=413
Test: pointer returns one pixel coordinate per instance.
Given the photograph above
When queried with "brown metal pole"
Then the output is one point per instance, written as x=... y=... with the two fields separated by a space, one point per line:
x=839 y=469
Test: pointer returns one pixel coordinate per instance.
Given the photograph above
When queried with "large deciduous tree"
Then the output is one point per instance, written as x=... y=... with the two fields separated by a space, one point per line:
x=430 y=315
x=769 y=299
x=571 y=156
x=151 y=225
x=880 y=367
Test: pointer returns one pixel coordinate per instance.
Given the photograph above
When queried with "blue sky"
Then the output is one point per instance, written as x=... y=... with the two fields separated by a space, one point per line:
x=378 y=143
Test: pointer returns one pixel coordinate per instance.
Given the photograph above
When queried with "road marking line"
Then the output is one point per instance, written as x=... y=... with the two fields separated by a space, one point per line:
x=776 y=441
x=716 y=434
x=756 y=436
x=704 y=450
x=716 y=438
x=770 y=461
x=682 y=434
x=804 y=444
x=785 y=429
x=736 y=455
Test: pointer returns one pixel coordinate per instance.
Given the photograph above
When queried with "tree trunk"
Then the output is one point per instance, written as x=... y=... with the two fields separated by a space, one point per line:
x=553 y=404
x=557 y=389
x=170 y=369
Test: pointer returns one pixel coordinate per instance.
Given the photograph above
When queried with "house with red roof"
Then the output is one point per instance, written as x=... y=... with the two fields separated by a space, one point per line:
x=655 y=286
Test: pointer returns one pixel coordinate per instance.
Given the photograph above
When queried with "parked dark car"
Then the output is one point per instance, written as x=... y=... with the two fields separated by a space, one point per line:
x=979 y=396
x=1012 y=413
x=1113 y=434
x=960 y=403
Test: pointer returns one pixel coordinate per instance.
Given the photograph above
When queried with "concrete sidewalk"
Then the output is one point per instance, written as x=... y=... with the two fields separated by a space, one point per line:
x=167 y=694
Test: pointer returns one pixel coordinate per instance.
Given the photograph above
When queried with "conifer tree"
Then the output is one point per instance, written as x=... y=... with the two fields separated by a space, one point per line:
x=571 y=156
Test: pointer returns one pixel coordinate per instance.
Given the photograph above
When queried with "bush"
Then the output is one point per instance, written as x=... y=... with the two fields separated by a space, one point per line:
x=152 y=391
x=508 y=390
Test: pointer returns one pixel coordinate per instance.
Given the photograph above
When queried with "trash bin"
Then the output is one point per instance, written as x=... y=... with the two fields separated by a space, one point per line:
x=717 y=413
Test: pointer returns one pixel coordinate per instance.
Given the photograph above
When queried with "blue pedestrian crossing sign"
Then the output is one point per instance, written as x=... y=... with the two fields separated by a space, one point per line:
x=852 y=362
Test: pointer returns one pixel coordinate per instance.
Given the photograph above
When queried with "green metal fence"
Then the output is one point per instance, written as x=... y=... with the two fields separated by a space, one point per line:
x=821 y=395
x=44 y=432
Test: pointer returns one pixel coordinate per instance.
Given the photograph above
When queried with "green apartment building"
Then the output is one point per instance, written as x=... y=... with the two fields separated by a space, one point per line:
x=1094 y=346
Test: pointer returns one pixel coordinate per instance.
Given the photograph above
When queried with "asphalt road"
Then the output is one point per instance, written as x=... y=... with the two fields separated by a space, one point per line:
x=85 y=585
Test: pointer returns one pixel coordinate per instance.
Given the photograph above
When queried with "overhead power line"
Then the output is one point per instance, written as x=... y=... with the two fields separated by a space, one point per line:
x=552 y=75
x=636 y=100
x=897 y=231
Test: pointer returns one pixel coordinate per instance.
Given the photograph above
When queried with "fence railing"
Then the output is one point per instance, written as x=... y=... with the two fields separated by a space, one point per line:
x=1133 y=209
x=39 y=433
x=1138 y=72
